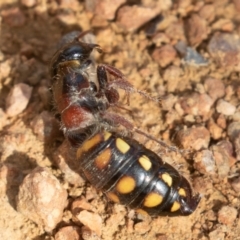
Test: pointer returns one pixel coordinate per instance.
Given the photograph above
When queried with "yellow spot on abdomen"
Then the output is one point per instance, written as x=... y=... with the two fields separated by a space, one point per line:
x=125 y=185
x=153 y=200
x=167 y=179
x=103 y=158
x=175 y=206
x=182 y=192
x=122 y=146
x=107 y=135
x=112 y=196
x=145 y=162
x=88 y=145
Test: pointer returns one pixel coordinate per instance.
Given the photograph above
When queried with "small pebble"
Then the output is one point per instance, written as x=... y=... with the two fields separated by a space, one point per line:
x=218 y=234
x=207 y=12
x=17 y=99
x=91 y=220
x=196 y=104
x=164 y=55
x=221 y=121
x=141 y=16
x=194 y=138
x=223 y=24
x=214 y=87
x=223 y=155
x=225 y=107
x=202 y=185
x=68 y=233
x=225 y=49
x=42 y=198
x=104 y=8
x=193 y=58
x=214 y=129
x=227 y=215
x=204 y=162
x=196 y=29
x=142 y=227
x=79 y=205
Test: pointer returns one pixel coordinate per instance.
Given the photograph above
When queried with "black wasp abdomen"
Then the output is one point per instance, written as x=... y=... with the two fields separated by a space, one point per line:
x=135 y=176
x=125 y=170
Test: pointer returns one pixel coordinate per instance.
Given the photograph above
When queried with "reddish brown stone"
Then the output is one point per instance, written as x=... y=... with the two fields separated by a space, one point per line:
x=215 y=88
x=196 y=29
x=207 y=12
x=175 y=31
x=141 y=15
x=164 y=55
x=194 y=138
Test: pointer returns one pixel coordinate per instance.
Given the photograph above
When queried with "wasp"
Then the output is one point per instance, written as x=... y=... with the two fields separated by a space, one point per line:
x=125 y=170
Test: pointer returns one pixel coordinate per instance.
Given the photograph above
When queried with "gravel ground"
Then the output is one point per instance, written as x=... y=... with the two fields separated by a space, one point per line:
x=185 y=52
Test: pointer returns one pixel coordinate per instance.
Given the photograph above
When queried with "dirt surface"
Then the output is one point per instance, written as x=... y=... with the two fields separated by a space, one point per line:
x=186 y=52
